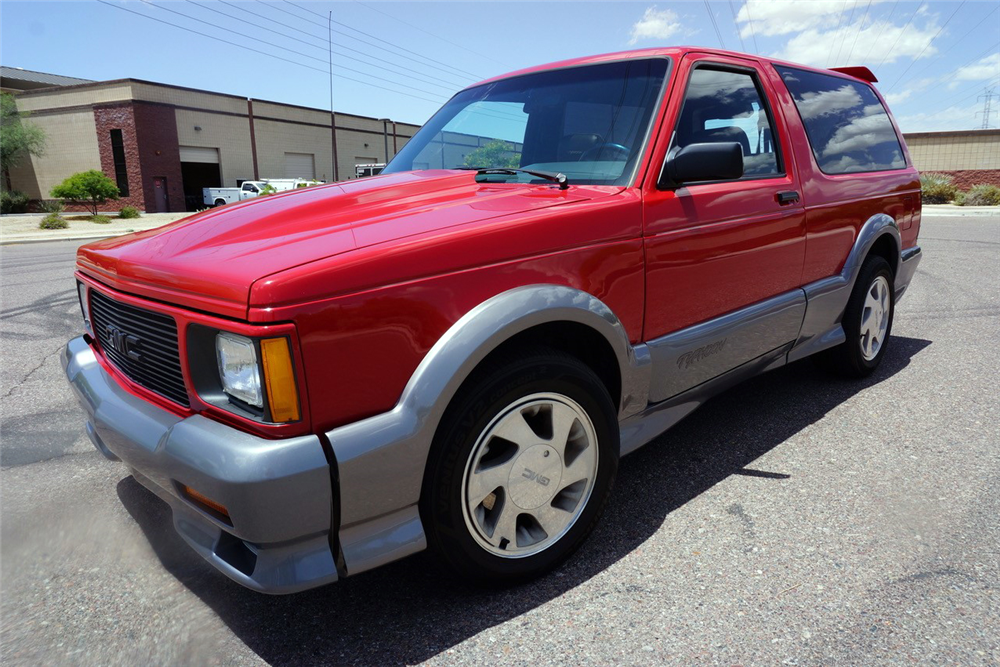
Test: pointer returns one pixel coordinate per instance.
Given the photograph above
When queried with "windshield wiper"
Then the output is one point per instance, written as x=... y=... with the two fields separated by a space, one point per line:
x=555 y=177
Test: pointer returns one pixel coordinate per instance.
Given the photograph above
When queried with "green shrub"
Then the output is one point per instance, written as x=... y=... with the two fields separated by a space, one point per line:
x=983 y=194
x=128 y=212
x=53 y=221
x=91 y=188
x=100 y=219
x=937 y=188
x=959 y=198
x=13 y=201
x=51 y=206
x=268 y=189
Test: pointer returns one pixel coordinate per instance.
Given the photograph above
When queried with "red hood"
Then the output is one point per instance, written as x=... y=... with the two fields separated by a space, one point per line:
x=209 y=260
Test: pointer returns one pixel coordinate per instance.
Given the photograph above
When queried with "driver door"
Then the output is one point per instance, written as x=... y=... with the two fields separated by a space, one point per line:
x=724 y=257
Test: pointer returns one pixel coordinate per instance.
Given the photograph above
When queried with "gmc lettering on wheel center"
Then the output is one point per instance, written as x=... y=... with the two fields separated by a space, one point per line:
x=562 y=263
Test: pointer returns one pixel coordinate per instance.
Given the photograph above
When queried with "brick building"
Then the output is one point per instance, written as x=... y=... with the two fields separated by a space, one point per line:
x=969 y=157
x=162 y=144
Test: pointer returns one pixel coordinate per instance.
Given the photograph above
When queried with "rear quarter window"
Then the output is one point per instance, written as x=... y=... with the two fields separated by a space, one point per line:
x=848 y=128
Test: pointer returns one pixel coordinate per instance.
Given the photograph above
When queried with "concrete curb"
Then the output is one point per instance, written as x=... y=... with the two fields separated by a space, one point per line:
x=39 y=238
x=960 y=211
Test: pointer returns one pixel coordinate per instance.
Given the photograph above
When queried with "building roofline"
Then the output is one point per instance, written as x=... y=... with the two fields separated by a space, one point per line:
x=952 y=133
x=52 y=90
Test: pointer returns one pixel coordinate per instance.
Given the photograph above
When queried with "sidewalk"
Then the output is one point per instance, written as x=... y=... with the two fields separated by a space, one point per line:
x=24 y=228
x=961 y=211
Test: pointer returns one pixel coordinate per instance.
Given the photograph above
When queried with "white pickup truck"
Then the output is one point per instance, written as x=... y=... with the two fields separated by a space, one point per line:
x=250 y=189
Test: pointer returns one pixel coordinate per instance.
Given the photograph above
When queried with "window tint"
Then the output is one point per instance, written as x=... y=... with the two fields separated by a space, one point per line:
x=588 y=122
x=848 y=128
x=726 y=106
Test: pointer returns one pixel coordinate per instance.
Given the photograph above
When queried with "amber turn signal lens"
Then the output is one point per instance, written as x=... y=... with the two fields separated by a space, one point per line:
x=282 y=394
x=200 y=499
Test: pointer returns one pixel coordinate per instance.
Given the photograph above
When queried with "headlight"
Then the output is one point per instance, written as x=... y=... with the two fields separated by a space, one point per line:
x=238 y=368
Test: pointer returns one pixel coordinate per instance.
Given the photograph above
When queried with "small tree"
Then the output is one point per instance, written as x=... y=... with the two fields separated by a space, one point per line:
x=497 y=153
x=89 y=188
x=18 y=138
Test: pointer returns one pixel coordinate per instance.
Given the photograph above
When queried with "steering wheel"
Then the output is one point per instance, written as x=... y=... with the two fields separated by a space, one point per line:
x=616 y=151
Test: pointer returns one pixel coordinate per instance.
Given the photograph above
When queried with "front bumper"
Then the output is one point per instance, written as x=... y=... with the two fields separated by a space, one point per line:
x=278 y=493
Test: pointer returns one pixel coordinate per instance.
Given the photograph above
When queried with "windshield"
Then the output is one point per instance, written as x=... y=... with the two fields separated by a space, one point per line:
x=588 y=122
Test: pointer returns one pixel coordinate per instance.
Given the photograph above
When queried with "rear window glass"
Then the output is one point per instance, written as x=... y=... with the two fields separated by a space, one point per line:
x=848 y=128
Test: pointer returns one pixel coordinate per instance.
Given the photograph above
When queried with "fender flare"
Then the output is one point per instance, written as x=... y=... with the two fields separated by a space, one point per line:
x=826 y=299
x=381 y=460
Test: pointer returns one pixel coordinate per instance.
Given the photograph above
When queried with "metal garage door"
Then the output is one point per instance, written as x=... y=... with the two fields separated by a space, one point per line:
x=300 y=165
x=199 y=154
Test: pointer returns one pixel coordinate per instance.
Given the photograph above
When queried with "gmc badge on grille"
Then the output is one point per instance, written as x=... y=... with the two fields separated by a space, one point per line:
x=123 y=343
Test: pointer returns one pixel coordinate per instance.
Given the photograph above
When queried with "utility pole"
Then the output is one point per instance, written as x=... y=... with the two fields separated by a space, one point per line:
x=333 y=114
x=987 y=98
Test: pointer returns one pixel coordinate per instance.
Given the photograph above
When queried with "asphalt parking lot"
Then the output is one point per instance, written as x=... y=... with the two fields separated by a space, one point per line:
x=795 y=519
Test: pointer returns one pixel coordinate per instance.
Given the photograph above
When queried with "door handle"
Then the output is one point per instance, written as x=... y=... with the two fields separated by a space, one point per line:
x=787 y=197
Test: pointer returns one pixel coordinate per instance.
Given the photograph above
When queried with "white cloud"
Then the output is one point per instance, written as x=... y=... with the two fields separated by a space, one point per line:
x=892 y=99
x=987 y=68
x=952 y=118
x=658 y=24
x=886 y=41
x=915 y=87
x=780 y=17
x=870 y=129
x=814 y=105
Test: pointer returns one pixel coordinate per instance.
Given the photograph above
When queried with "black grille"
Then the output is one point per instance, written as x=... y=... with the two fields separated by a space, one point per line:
x=150 y=356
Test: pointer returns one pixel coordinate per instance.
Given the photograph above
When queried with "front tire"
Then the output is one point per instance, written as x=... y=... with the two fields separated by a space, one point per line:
x=521 y=469
x=867 y=322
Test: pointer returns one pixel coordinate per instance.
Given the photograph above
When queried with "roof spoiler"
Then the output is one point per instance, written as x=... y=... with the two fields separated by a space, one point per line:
x=862 y=73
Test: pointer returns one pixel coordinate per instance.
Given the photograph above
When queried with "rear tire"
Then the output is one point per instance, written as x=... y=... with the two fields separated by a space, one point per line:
x=220 y=202
x=867 y=323
x=521 y=467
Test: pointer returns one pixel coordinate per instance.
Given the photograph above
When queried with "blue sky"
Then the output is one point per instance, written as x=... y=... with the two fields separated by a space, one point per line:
x=933 y=59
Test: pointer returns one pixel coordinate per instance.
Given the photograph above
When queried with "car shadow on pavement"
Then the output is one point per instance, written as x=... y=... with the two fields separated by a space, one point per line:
x=412 y=610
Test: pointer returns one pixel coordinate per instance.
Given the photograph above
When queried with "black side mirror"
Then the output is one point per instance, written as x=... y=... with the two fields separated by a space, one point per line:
x=721 y=161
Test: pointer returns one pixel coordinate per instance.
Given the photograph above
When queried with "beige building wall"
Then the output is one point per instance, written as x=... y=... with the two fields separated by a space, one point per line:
x=954 y=151
x=59 y=98
x=230 y=134
x=70 y=147
x=184 y=97
x=275 y=138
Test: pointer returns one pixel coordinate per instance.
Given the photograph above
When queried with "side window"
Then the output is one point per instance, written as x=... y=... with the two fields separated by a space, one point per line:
x=848 y=128
x=249 y=187
x=727 y=106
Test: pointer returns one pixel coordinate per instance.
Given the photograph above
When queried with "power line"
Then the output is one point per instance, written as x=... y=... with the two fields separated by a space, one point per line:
x=388 y=44
x=905 y=26
x=860 y=28
x=746 y=6
x=714 y=24
x=263 y=53
x=929 y=42
x=300 y=53
x=327 y=40
x=327 y=30
x=843 y=40
x=888 y=20
x=405 y=72
x=428 y=32
x=732 y=10
x=960 y=40
x=840 y=20
x=987 y=96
